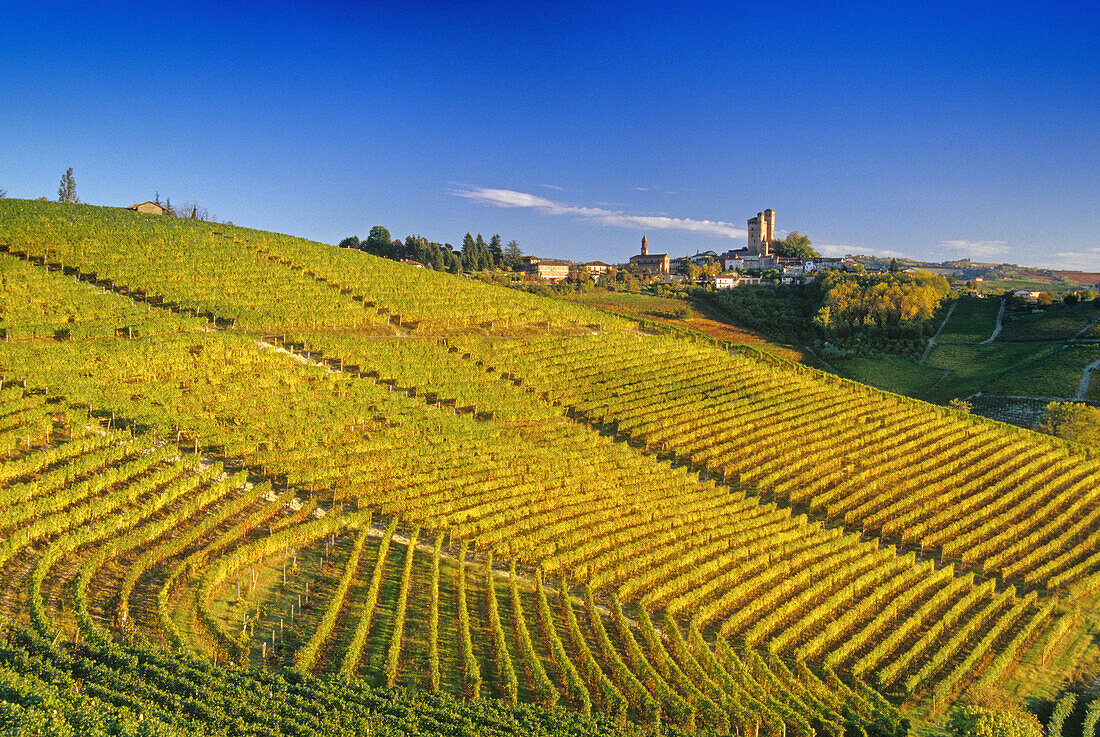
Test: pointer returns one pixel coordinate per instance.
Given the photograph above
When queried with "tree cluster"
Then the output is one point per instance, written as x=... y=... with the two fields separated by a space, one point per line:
x=474 y=255
x=795 y=245
x=190 y=211
x=877 y=300
x=1073 y=421
x=845 y=313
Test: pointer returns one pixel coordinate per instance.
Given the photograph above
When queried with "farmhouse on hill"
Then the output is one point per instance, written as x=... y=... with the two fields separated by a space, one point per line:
x=654 y=263
x=148 y=208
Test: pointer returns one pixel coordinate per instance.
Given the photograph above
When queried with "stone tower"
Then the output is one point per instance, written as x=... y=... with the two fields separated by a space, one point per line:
x=762 y=233
x=645 y=246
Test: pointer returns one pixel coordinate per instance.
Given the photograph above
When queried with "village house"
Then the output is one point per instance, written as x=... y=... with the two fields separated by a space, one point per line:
x=704 y=258
x=731 y=260
x=597 y=268
x=820 y=263
x=763 y=263
x=549 y=270
x=147 y=208
x=730 y=281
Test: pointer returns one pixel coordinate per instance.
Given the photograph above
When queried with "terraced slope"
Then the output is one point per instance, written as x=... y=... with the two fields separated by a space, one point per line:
x=320 y=460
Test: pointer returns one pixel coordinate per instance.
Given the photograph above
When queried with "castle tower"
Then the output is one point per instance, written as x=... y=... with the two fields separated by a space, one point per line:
x=645 y=246
x=762 y=233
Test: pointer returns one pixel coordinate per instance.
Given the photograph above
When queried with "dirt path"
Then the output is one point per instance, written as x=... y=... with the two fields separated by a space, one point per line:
x=1085 y=329
x=940 y=380
x=1000 y=325
x=295 y=356
x=932 y=340
x=1086 y=380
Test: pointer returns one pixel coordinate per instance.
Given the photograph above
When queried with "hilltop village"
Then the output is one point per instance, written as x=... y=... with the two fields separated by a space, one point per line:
x=760 y=261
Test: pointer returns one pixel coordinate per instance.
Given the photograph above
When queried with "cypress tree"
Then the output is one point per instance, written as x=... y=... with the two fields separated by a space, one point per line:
x=66 y=190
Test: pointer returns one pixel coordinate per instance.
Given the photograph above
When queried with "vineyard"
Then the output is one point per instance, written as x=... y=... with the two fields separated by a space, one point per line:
x=251 y=484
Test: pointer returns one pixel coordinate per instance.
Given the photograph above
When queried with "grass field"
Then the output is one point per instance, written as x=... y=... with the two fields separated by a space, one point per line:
x=1054 y=374
x=1029 y=357
x=891 y=374
x=972 y=321
x=976 y=367
x=1059 y=322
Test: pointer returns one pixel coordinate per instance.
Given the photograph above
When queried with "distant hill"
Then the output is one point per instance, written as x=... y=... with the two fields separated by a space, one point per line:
x=1004 y=276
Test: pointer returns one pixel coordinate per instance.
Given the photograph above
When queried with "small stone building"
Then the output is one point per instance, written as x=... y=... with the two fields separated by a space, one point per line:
x=148 y=208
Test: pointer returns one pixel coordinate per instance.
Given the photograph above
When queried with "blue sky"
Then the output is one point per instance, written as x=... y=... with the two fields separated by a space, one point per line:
x=932 y=130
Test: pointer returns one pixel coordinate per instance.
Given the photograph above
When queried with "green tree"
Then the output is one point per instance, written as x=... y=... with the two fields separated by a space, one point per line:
x=379 y=241
x=352 y=241
x=3 y=193
x=895 y=267
x=496 y=251
x=468 y=258
x=512 y=255
x=482 y=253
x=66 y=191
x=795 y=245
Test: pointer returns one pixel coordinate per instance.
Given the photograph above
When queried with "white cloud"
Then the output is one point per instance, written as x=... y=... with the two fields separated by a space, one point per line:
x=1085 y=260
x=980 y=249
x=553 y=187
x=603 y=216
x=827 y=249
x=832 y=250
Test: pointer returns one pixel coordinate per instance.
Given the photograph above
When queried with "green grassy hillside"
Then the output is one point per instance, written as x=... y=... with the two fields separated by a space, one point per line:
x=312 y=462
x=1035 y=357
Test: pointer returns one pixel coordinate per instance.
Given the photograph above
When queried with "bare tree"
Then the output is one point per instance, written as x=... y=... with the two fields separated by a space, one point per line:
x=195 y=211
